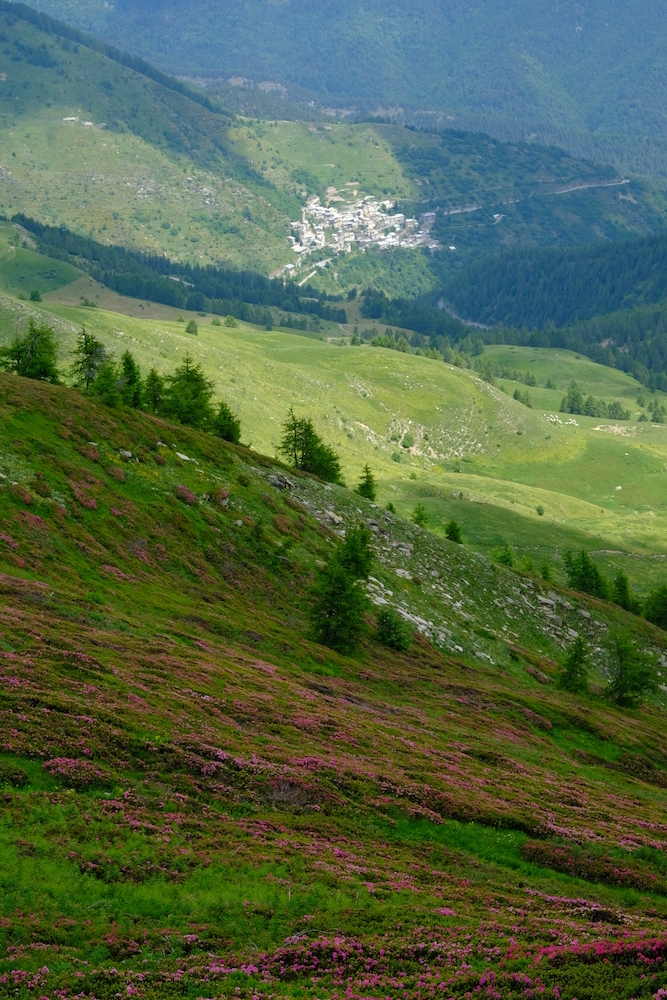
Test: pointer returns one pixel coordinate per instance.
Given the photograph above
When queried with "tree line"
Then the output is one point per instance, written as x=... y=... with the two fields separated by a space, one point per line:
x=225 y=291
x=184 y=396
x=575 y=402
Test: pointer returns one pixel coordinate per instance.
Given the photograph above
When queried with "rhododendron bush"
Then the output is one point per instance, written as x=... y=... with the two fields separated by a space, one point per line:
x=197 y=800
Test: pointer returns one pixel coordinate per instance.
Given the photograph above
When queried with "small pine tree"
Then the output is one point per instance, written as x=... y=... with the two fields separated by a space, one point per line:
x=390 y=507
x=107 y=384
x=622 y=594
x=34 y=355
x=393 y=631
x=226 y=425
x=231 y=322
x=131 y=386
x=89 y=355
x=154 y=391
x=192 y=327
x=357 y=554
x=304 y=448
x=583 y=575
x=367 y=486
x=453 y=532
x=505 y=556
x=633 y=676
x=339 y=607
x=419 y=516
x=574 y=673
x=188 y=394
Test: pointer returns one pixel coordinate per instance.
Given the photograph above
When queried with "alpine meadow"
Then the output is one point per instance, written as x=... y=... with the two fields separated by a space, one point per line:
x=333 y=500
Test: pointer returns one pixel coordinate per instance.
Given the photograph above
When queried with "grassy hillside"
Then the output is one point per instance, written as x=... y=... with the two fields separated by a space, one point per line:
x=596 y=70
x=431 y=432
x=199 y=800
x=109 y=151
x=115 y=150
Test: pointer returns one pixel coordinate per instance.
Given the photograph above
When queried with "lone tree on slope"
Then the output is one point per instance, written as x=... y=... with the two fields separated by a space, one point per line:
x=367 y=486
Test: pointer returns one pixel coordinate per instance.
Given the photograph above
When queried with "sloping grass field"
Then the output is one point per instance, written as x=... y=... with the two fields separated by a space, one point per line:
x=200 y=801
x=436 y=434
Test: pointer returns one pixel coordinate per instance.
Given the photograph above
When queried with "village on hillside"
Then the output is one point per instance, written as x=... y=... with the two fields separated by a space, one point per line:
x=366 y=223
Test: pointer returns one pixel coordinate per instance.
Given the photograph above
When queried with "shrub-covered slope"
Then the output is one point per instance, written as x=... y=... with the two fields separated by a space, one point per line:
x=201 y=801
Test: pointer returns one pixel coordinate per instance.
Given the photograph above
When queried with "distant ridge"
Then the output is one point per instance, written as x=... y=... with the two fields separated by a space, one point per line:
x=52 y=26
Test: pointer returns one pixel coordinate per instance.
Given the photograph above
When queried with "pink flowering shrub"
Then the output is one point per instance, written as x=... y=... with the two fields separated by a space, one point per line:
x=19 y=492
x=186 y=495
x=77 y=772
x=593 y=867
x=79 y=494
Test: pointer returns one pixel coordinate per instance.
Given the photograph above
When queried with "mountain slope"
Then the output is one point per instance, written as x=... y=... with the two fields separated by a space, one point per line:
x=104 y=148
x=197 y=797
x=106 y=145
x=432 y=433
x=559 y=287
x=596 y=68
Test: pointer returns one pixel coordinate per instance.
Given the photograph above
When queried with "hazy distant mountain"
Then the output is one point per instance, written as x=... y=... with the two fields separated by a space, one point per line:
x=579 y=65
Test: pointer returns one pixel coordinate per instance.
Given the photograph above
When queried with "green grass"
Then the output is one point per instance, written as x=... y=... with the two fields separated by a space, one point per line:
x=258 y=798
x=23 y=271
x=206 y=788
x=474 y=466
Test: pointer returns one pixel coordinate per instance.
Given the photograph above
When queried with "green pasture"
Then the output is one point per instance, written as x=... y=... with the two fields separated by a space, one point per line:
x=311 y=156
x=23 y=271
x=438 y=435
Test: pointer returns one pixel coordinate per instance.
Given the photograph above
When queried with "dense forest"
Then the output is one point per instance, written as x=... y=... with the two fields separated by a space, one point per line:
x=575 y=69
x=537 y=288
x=243 y=294
x=606 y=300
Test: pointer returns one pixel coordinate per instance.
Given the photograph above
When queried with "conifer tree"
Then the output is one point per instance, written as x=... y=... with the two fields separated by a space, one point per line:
x=226 y=425
x=453 y=532
x=154 y=391
x=107 y=384
x=584 y=575
x=304 y=448
x=393 y=631
x=367 y=486
x=623 y=596
x=655 y=609
x=89 y=355
x=339 y=606
x=339 y=599
x=131 y=388
x=419 y=516
x=188 y=394
x=34 y=355
x=574 y=674
x=634 y=676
